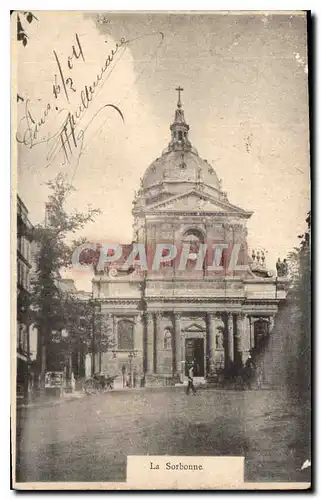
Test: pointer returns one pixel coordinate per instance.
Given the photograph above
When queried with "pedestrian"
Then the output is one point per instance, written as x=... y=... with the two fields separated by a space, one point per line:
x=190 y=384
x=73 y=382
x=249 y=371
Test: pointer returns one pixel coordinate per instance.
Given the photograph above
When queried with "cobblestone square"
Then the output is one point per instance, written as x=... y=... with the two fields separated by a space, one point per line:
x=89 y=439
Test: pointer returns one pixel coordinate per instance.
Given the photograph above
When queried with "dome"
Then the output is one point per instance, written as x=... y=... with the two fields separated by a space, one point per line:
x=176 y=165
x=180 y=161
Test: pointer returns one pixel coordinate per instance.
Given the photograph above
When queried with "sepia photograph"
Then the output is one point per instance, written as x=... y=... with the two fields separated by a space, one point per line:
x=160 y=257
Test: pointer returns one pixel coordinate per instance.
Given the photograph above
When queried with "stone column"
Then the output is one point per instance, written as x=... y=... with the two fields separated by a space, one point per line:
x=149 y=343
x=139 y=333
x=115 y=331
x=251 y=321
x=158 y=340
x=230 y=342
x=211 y=343
x=139 y=344
x=177 y=330
x=110 y=330
x=239 y=339
x=246 y=338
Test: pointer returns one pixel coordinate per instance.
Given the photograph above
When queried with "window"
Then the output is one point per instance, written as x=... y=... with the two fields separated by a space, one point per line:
x=23 y=281
x=18 y=272
x=167 y=339
x=125 y=335
x=23 y=338
x=194 y=239
x=20 y=243
x=27 y=250
x=180 y=135
x=24 y=276
x=27 y=286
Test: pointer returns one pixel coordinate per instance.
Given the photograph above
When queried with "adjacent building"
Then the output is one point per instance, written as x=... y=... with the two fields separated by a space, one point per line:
x=24 y=265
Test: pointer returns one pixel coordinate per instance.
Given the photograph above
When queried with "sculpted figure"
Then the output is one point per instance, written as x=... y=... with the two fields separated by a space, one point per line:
x=219 y=339
x=167 y=339
x=282 y=268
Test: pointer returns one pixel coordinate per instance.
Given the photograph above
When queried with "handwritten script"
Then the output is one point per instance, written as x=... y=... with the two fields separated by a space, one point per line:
x=68 y=135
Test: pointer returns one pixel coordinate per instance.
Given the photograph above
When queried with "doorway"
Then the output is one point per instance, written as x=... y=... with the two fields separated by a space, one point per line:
x=194 y=351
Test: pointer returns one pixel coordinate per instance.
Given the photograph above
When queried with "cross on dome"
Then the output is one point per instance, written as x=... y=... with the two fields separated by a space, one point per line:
x=179 y=90
x=179 y=128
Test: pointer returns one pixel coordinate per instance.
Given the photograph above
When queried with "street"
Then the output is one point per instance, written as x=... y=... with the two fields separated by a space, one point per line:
x=89 y=439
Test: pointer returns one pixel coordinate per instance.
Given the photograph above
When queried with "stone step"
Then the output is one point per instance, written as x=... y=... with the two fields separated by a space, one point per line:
x=154 y=380
x=196 y=380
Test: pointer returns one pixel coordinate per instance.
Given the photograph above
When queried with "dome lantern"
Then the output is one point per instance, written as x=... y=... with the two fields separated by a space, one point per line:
x=179 y=167
x=179 y=128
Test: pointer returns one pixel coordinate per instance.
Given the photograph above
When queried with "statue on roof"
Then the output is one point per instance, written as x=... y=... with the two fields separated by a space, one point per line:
x=282 y=268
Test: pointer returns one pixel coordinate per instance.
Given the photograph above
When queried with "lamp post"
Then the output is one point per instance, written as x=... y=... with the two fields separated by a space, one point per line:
x=67 y=362
x=91 y=304
x=94 y=304
x=131 y=355
x=123 y=369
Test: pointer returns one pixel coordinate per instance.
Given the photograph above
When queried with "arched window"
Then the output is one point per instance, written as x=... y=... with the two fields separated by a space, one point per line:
x=192 y=235
x=195 y=239
x=180 y=135
x=167 y=339
x=125 y=335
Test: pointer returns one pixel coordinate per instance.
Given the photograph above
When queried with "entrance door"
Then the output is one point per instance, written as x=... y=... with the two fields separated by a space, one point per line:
x=194 y=351
x=260 y=332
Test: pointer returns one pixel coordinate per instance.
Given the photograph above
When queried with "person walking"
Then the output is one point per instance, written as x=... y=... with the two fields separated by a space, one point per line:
x=190 y=384
x=249 y=371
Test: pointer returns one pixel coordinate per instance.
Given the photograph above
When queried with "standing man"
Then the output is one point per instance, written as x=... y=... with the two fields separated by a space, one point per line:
x=190 y=379
x=249 y=370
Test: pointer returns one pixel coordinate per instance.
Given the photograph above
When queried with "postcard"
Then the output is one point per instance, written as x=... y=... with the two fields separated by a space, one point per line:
x=161 y=326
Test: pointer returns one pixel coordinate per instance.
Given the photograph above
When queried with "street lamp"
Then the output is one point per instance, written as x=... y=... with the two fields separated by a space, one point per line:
x=67 y=361
x=131 y=355
x=123 y=369
x=96 y=308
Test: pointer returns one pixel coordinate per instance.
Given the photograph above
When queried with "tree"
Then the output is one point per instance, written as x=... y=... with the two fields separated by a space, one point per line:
x=293 y=262
x=83 y=329
x=299 y=254
x=48 y=304
x=298 y=307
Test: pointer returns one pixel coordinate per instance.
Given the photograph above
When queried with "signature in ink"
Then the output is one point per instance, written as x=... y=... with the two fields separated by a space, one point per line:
x=65 y=137
x=68 y=136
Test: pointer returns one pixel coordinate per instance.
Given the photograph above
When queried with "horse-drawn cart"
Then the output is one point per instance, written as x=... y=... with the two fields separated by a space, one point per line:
x=100 y=382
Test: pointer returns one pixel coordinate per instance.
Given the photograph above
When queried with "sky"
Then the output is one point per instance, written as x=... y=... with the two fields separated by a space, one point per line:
x=245 y=81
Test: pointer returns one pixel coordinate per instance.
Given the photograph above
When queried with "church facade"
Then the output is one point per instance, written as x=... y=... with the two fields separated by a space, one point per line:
x=214 y=313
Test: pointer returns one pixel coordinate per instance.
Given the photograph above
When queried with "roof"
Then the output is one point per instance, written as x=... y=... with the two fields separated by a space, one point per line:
x=181 y=166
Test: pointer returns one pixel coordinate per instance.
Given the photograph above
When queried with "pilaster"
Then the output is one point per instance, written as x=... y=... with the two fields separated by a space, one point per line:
x=158 y=339
x=211 y=343
x=149 y=343
x=177 y=330
x=230 y=341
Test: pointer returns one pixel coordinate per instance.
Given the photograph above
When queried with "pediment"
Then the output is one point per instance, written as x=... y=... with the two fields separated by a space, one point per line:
x=196 y=201
x=194 y=327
